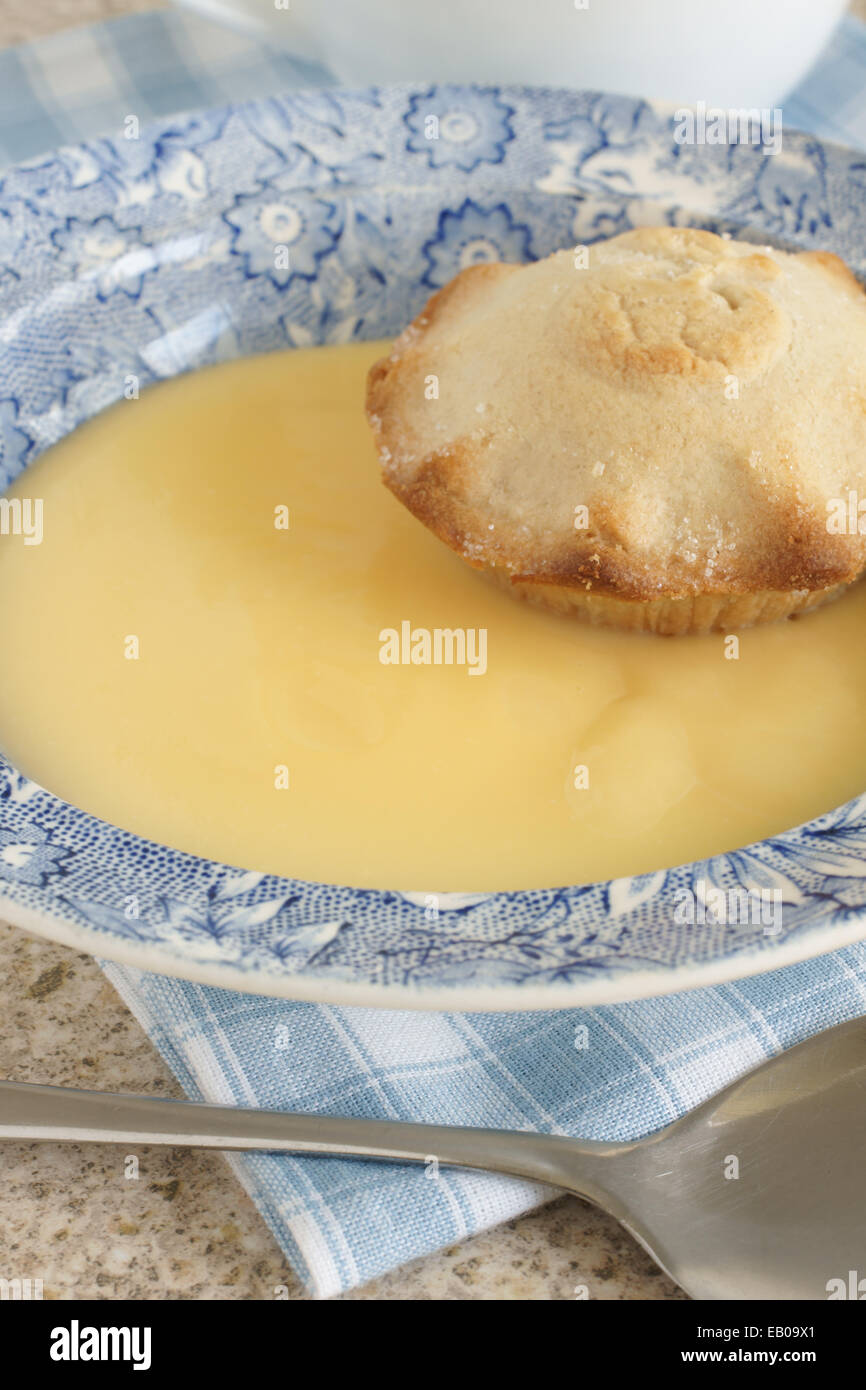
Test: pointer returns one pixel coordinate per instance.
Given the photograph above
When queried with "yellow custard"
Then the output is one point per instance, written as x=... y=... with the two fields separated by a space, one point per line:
x=207 y=647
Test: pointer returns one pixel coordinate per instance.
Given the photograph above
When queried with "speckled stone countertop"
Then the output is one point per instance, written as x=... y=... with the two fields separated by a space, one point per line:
x=184 y=1228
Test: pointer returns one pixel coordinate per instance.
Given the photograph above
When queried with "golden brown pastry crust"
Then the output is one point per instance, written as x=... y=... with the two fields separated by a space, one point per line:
x=697 y=402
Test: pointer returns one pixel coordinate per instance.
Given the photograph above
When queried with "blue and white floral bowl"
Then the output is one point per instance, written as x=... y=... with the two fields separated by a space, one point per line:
x=154 y=256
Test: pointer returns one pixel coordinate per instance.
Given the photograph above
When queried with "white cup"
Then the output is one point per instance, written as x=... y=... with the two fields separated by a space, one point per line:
x=731 y=53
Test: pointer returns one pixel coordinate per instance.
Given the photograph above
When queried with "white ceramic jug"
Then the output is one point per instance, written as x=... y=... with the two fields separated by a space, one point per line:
x=740 y=53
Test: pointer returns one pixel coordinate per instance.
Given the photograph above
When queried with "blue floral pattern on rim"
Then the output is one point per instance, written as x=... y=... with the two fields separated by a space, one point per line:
x=474 y=235
x=155 y=257
x=461 y=126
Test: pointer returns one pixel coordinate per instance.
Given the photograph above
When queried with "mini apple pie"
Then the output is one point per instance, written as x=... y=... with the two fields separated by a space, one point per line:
x=655 y=433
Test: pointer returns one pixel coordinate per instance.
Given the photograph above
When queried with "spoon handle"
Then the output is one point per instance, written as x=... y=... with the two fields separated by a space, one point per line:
x=61 y=1113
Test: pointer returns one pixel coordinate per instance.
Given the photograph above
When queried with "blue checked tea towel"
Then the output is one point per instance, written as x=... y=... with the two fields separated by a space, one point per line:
x=615 y=1072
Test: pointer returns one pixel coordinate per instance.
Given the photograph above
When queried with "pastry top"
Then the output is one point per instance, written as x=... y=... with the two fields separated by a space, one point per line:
x=702 y=399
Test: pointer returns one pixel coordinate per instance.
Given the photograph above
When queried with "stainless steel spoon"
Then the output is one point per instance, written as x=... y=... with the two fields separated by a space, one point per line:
x=758 y=1193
